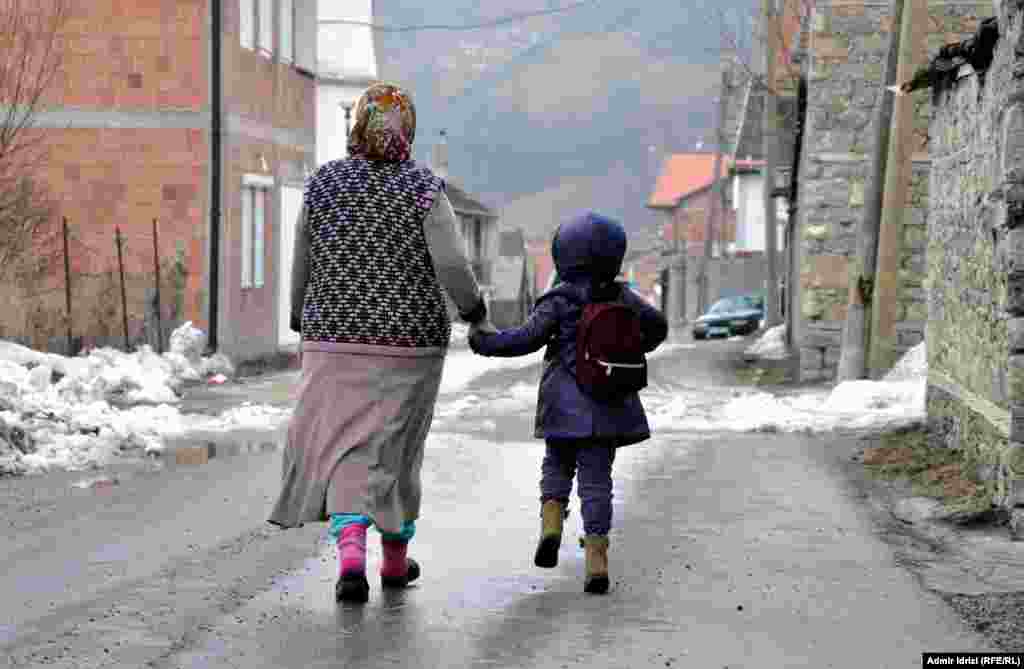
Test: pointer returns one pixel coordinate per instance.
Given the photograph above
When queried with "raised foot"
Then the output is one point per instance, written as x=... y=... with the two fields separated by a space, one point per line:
x=547 y=552
x=411 y=575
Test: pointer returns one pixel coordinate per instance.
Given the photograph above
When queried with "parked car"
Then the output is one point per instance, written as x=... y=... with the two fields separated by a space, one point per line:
x=730 y=316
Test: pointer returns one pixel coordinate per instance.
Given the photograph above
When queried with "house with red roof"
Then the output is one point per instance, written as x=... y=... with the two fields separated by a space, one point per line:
x=684 y=192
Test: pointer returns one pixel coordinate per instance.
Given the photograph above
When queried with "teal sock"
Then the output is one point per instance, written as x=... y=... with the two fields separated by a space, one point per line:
x=404 y=534
x=339 y=521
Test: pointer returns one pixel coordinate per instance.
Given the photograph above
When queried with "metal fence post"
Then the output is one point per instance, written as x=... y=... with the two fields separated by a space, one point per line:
x=67 y=288
x=124 y=295
x=156 y=269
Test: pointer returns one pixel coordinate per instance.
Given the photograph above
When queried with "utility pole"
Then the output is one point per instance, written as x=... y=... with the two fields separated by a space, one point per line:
x=856 y=334
x=716 y=193
x=882 y=353
x=770 y=134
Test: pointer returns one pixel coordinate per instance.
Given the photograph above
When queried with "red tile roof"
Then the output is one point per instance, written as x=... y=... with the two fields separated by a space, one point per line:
x=686 y=173
x=682 y=174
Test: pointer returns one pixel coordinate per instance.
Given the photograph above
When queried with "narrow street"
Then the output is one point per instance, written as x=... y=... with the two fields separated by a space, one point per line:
x=729 y=550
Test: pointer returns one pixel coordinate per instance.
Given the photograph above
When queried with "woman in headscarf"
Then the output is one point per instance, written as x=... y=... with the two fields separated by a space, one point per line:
x=375 y=244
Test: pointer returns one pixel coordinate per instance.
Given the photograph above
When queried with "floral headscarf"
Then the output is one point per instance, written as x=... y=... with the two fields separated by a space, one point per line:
x=385 y=124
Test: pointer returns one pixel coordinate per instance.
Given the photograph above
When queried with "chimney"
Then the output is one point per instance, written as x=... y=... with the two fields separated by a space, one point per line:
x=440 y=161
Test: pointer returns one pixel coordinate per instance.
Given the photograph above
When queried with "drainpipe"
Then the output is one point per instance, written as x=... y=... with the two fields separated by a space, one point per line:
x=792 y=270
x=216 y=10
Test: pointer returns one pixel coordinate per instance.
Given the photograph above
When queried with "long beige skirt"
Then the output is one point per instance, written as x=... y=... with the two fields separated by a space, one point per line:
x=355 y=442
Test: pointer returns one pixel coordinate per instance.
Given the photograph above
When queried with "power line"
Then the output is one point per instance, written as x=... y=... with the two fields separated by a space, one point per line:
x=511 y=18
x=505 y=71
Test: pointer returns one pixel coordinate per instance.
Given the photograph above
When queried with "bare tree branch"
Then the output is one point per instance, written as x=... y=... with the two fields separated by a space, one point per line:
x=30 y=61
x=757 y=79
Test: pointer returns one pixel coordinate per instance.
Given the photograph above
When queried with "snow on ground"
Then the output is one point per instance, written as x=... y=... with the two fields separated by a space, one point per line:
x=771 y=345
x=460 y=336
x=81 y=421
x=669 y=349
x=898 y=399
x=79 y=412
x=109 y=403
x=462 y=366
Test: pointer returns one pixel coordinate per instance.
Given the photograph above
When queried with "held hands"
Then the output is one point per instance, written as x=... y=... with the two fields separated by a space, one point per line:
x=477 y=331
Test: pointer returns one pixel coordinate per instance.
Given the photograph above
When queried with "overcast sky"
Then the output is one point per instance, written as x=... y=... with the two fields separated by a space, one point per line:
x=590 y=100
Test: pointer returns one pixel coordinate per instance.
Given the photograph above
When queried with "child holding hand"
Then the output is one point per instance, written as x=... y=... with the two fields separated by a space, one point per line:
x=582 y=429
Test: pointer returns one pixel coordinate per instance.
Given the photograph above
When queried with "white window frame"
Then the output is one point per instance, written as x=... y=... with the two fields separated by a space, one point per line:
x=286 y=31
x=256 y=203
x=265 y=27
x=246 y=222
x=247 y=24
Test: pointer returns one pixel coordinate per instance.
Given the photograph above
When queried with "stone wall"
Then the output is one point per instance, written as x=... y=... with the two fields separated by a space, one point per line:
x=975 y=277
x=847 y=50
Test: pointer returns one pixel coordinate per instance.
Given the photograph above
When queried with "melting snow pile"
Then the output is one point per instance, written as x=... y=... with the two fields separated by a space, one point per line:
x=73 y=413
x=898 y=399
x=771 y=345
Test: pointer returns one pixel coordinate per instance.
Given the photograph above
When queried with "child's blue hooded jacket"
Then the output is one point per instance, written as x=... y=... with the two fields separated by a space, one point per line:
x=588 y=253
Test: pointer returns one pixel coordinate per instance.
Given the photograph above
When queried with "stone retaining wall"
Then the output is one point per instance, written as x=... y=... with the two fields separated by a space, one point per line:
x=975 y=276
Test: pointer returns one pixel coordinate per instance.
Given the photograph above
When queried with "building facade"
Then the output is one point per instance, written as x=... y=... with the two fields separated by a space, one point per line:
x=193 y=113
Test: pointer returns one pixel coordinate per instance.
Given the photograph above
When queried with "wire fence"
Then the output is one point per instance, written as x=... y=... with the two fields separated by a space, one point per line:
x=115 y=290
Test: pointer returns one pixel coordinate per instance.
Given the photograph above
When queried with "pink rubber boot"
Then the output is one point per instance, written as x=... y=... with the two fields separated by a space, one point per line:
x=397 y=569
x=352 y=584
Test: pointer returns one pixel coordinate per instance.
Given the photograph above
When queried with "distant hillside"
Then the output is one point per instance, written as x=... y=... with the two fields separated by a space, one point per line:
x=558 y=114
x=538 y=214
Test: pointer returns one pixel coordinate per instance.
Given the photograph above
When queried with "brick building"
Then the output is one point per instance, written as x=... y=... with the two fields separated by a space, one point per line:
x=192 y=112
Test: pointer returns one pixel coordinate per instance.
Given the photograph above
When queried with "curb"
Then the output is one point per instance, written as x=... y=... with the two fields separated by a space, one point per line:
x=198 y=447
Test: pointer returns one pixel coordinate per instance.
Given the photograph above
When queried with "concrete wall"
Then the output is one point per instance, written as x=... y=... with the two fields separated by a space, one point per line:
x=331 y=138
x=974 y=272
x=748 y=205
x=847 y=46
x=727 y=277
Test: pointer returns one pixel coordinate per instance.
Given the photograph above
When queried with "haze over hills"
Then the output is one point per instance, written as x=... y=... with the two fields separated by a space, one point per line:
x=554 y=114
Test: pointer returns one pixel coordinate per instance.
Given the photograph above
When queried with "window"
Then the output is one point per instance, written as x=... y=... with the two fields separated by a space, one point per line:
x=247 y=23
x=256 y=24
x=255 y=204
x=287 y=31
x=265 y=20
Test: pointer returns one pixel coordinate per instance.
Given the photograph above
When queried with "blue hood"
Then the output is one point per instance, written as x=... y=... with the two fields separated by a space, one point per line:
x=589 y=247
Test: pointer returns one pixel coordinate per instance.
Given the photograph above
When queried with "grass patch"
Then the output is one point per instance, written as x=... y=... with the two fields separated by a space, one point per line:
x=762 y=376
x=939 y=473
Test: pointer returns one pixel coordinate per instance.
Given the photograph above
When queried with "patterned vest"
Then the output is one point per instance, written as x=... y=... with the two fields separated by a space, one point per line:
x=371 y=279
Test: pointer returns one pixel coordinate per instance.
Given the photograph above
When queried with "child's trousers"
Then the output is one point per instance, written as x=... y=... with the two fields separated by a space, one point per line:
x=591 y=463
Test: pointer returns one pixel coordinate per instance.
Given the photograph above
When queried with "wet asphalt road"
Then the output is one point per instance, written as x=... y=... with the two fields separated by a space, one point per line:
x=728 y=551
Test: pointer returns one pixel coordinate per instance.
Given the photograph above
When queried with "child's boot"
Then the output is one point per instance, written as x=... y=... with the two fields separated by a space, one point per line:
x=352 y=585
x=397 y=570
x=596 y=550
x=552 y=513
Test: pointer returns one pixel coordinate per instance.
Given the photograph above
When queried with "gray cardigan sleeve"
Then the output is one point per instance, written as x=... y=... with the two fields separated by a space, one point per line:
x=300 y=269
x=450 y=263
